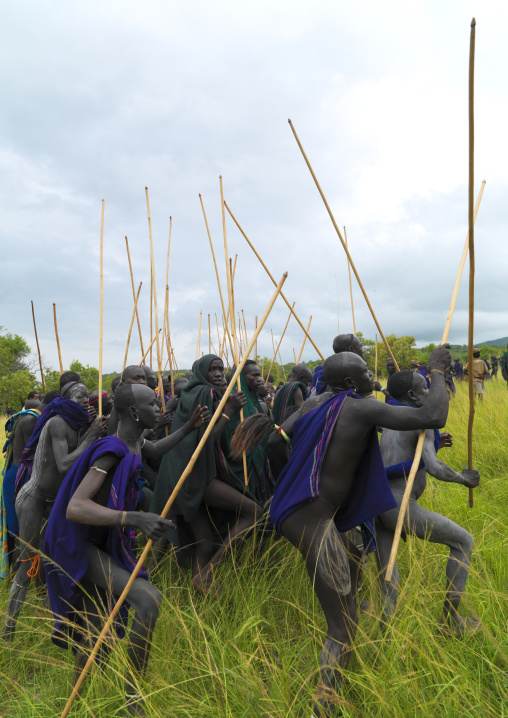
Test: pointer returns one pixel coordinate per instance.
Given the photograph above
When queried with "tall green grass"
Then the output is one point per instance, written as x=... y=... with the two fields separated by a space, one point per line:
x=254 y=652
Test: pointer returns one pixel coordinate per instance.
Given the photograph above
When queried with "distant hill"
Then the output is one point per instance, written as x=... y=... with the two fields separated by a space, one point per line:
x=494 y=342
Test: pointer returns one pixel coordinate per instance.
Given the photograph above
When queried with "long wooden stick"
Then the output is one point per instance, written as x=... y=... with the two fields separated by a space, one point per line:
x=304 y=340
x=272 y=278
x=461 y=264
x=146 y=353
x=350 y=286
x=169 y=503
x=101 y=319
x=421 y=438
x=245 y=330
x=280 y=342
x=165 y=320
x=375 y=367
x=471 y=256
x=156 y=316
x=236 y=359
x=216 y=272
x=134 y=295
x=134 y=312
x=38 y=349
x=198 y=340
x=256 y=344
x=344 y=245
x=57 y=340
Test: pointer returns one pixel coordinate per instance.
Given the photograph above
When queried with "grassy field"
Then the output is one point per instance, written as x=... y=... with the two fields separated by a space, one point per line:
x=255 y=651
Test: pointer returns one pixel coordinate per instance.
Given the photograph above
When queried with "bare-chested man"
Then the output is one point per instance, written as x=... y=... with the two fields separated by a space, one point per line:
x=90 y=540
x=333 y=481
x=57 y=449
x=410 y=389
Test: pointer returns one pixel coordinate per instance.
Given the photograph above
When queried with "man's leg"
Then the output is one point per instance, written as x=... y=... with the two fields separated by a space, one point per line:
x=439 y=529
x=144 y=598
x=389 y=591
x=220 y=495
x=311 y=529
x=31 y=511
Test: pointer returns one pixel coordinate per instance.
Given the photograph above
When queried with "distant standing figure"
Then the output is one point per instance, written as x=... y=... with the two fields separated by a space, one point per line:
x=479 y=373
x=495 y=367
x=458 y=369
x=503 y=362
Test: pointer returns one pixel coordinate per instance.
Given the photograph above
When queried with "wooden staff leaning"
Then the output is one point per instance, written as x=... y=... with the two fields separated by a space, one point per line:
x=57 y=340
x=134 y=295
x=304 y=341
x=275 y=350
x=38 y=348
x=169 y=503
x=101 y=319
x=272 y=278
x=134 y=312
x=350 y=286
x=344 y=245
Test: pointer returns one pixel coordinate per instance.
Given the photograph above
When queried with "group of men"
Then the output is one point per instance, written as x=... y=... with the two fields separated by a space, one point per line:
x=307 y=465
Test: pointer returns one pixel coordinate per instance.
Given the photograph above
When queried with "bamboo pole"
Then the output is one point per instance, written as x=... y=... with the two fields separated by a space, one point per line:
x=146 y=353
x=151 y=315
x=168 y=505
x=280 y=342
x=470 y=375
x=57 y=340
x=218 y=336
x=101 y=319
x=345 y=246
x=294 y=355
x=337 y=285
x=304 y=340
x=134 y=295
x=462 y=263
x=471 y=216
x=156 y=316
x=256 y=344
x=350 y=285
x=38 y=349
x=166 y=296
x=216 y=270
x=134 y=312
x=236 y=359
x=171 y=355
x=375 y=368
x=198 y=341
x=272 y=278
x=245 y=331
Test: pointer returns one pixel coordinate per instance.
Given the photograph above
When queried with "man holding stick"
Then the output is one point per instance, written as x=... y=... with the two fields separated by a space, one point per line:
x=335 y=480
x=90 y=536
x=409 y=389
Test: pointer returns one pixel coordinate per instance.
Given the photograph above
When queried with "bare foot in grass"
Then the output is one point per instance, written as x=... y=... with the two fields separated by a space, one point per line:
x=459 y=627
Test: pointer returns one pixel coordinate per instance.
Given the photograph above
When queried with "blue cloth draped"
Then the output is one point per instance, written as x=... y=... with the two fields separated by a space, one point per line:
x=298 y=483
x=64 y=543
x=70 y=411
x=318 y=385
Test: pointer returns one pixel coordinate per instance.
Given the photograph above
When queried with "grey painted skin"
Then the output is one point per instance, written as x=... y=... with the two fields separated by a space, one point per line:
x=399 y=446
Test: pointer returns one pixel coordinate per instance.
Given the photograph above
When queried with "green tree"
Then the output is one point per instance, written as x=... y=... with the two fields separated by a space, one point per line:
x=16 y=379
x=89 y=374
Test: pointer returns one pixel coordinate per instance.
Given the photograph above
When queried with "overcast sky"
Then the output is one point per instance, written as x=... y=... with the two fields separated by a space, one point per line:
x=100 y=99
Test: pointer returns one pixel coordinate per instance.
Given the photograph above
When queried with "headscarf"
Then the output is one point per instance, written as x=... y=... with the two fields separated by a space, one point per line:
x=198 y=392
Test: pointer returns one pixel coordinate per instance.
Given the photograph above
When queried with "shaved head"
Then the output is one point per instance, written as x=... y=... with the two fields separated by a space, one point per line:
x=347 y=370
x=347 y=343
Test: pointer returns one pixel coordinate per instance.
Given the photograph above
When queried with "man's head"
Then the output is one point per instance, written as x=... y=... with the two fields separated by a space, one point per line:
x=262 y=390
x=133 y=375
x=301 y=372
x=107 y=403
x=408 y=387
x=151 y=379
x=32 y=395
x=50 y=396
x=33 y=404
x=115 y=382
x=67 y=377
x=390 y=366
x=180 y=383
x=347 y=343
x=457 y=359
x=77 y=392
x=136 y=402
x=252 y=375
x=346 y=370
x=476 y=353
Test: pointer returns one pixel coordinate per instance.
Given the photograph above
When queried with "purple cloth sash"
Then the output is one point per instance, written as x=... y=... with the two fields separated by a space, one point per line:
x=298 y=483
x=71 y=412
x=65 y=540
